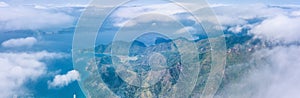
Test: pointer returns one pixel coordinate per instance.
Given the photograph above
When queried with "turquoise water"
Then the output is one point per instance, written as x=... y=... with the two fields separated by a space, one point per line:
x=40 y=87
x=58 y=43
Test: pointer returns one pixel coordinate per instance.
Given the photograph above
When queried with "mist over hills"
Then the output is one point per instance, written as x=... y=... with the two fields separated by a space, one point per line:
x=240 y=56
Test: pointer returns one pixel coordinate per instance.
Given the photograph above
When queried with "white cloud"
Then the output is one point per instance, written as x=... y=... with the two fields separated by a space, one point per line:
x=186 y=30
x=144 y=19
x=17 y=68
x=124 y=14
x=228 y=15
x=231 y=20
x=239 y=17
x=3 y=4
x=276 y=77
x=281 y=27
x=239 y=28
x=47 y=2
x=234 y=15
x=236 y=29
x=24 y=18
x=64 y=80
x=295 y=13
x=283 y=73
x=248 y=11
x=20 y=42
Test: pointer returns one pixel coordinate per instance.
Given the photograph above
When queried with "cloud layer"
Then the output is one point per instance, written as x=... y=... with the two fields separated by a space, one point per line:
x=20 y=42
x=126 y=14
x=26 y=18
x=17 y=68
x=281 y=27
x=272 y=23
x=276 y=75
x=3 y=4
x=64 y=80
